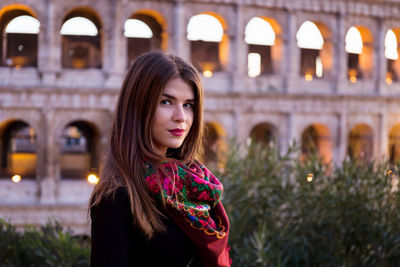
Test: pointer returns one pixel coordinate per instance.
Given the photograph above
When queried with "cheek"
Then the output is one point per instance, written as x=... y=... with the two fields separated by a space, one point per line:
x=190 y=118
x=158 y=116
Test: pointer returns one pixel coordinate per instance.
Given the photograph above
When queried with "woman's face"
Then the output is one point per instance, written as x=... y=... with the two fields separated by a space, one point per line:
x=174 y=116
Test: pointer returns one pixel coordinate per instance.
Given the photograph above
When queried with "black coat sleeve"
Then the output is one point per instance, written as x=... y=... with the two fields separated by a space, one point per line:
x=114 y=238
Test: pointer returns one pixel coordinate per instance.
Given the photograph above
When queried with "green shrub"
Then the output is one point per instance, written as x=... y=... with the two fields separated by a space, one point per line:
x=49 y=245
x=347 y=216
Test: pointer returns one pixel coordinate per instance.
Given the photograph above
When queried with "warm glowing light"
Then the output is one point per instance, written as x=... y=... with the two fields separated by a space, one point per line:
x=259 y=32
x=309 y=36
x=137 y=29
x=254 y=64
x=389 y=80
x=16 y=178
x=354 y=43
x=204 y=27
x=391 y=45
x=93 y=179
x=352 y=75
x=23 y=24
x=207 y=73
x=353 y=79
x=310 y=177
x=79 y=26
x=308 y=77
x=390 y=173
x=319 y=70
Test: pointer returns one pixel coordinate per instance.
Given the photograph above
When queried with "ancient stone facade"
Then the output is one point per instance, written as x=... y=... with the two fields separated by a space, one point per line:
x=48 y=97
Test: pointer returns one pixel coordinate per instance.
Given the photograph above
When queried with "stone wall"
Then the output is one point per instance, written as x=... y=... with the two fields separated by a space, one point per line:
x=49 y=97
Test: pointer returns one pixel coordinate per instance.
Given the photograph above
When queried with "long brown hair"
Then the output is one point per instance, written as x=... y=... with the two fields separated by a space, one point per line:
x=131 y=143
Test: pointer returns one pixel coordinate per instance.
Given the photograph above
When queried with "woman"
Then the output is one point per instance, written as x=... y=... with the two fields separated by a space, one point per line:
x=155 y=205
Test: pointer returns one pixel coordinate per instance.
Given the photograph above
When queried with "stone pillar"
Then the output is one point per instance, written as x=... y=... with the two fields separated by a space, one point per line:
x=283 y=133
x=114 y=53
x=379 y=58
x=48 y=185
x=180 y=43
x=41 y=149
x=49 y=55
x=341 y=150
x=237 y=121
x=231 y=62
x=340 y=63
x=291 y=54
x=382 y=137
x=290 y=137
x=240 y=45
x=238 y=52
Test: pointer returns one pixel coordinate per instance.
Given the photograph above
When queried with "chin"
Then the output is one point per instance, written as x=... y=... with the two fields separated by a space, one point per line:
x=175 y=145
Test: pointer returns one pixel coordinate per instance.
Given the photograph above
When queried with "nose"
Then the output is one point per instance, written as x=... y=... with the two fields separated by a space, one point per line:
x=179 y=114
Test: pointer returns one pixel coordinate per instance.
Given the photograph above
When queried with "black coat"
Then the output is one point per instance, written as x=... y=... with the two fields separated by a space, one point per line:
x=116 y=242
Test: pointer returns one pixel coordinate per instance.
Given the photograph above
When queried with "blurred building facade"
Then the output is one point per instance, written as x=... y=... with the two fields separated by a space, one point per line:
x=325 y=73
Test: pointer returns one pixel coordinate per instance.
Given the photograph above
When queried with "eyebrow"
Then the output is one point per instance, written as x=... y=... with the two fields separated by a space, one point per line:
x=174 y=98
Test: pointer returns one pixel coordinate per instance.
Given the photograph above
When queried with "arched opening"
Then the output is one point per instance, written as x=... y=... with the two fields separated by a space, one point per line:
x=316 y=138
x=206 y=35
x=359 y=48
x=264 y=133
x=313 y=39
x=260 y=37
x=78 y=151
x=392 y=55
x=143 y=34
x=361 y=143
x=394 y=144
x=19 y=36
x=18 y=150
x=214 y=146
x=81 y=40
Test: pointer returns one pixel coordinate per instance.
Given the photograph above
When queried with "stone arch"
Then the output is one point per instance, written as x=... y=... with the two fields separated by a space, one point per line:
x=394 y=144
x=392 y=61
x=360 y=64
x=210 y=56
x=17 y=49
x=138 y=45
x=316 y=138
x=26 y=8
x=264 y=133
x=269 y=54
x=361 y=143
x=95 y=119
x=84 y=11
x=161 y=21
x=79 y=150
x=214 y=145
x=18 y=149
x=316 y=62
x=82 y=51
x=100 y=121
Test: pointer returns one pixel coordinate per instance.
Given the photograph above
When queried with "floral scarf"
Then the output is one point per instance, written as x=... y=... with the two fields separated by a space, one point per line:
x=193 y=197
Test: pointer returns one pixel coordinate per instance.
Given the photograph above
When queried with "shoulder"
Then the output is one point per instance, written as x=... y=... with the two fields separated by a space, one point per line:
x=113 y=234
x=116 y=202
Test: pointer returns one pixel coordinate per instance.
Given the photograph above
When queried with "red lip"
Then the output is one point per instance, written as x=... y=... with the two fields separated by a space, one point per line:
x=177 y=132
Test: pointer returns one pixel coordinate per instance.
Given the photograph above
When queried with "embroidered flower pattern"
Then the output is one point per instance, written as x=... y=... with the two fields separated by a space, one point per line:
x=192 y=190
